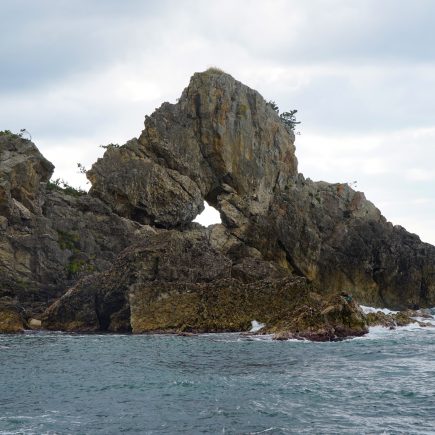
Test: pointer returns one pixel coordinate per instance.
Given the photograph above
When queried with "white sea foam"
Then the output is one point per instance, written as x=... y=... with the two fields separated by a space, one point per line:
x=266 y=337
x=256 y=326
x=430 y=320
x=368 y=310
x=378 y=332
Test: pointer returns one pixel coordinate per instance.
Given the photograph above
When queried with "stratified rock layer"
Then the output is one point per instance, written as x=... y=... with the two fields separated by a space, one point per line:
x=286 y=249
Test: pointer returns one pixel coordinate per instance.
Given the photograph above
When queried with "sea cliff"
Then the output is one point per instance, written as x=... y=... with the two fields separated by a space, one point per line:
x=127 y=257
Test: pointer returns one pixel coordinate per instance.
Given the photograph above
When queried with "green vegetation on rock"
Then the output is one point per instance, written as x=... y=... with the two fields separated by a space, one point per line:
x=63 y=186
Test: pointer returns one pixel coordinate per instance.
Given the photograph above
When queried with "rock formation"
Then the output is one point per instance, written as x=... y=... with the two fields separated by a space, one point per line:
x=49 y=236
x=133 y=260
x=174 y=281
x=12 y=318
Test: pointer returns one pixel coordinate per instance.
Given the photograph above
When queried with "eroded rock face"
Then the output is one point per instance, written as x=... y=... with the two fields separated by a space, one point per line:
x=335 y=237
x=176 y=281
x=48 y=238
x=11 y=316
x=228 y=141
x=288 y=307
x=221 y=136
x=134 y=261
x=222 y=133
x=23 y=168
x=139 y=189
x=42 y=255
x=166 y=258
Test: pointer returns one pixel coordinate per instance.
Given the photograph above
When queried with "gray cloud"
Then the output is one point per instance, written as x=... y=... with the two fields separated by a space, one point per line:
x=362 y=74
x=47 y=41
x=361 y=99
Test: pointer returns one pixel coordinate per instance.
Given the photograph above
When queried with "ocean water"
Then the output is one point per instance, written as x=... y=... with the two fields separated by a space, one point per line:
x=52 y=383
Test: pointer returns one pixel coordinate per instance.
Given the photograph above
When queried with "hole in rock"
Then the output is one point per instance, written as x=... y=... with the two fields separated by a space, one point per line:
x=209 y=216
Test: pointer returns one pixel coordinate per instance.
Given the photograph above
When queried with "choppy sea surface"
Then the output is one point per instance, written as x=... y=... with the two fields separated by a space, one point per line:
x=52 y=383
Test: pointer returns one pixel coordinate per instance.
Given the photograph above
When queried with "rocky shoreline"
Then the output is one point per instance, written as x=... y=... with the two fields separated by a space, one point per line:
x=340 y=320
x=126 y=257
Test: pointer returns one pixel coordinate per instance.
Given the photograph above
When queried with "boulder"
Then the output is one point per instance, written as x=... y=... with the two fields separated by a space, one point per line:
x=379 y=318
x=394 y=319
x=35 y=324
x=11 y=317
x=139 y=189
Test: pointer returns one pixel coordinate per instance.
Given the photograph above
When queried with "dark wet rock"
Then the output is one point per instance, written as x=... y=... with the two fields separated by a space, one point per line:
x=320 y=318
x=379 y=318
x=282 y=336
x=403 y=318
x=177 y=282
x=395 y=319
x=12 y=316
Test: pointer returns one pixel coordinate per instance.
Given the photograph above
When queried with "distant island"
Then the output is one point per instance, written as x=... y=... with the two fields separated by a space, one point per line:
x=296 y=256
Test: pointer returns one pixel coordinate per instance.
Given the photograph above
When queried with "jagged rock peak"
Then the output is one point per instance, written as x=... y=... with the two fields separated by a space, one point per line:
x=23 y=168
x=220 y=137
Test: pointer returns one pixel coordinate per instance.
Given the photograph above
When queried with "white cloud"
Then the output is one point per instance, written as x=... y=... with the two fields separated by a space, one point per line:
x=209 y=216
x=393 y=169
x=418 y=174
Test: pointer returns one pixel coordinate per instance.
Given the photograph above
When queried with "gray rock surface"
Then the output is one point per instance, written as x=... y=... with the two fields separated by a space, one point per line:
x=130 y=242
x=139 y=189
x=12 y=316
x=23 y=169
x=52 y=238
x=224 y=137
x=175 y=281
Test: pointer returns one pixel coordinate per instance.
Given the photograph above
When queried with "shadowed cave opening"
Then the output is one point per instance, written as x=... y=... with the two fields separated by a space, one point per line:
x=209 y=216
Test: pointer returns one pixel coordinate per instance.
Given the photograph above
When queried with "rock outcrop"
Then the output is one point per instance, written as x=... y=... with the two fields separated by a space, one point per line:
x=229 y=141
x=23 y=169
x=49 y=237
x=12 y=317
x=395 y=319
x=139 y=189
x=175 y=281
x=287 y=246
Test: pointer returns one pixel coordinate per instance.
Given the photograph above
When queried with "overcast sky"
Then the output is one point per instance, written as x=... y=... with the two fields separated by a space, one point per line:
x=79 y=74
